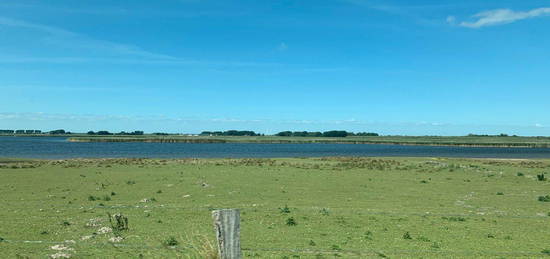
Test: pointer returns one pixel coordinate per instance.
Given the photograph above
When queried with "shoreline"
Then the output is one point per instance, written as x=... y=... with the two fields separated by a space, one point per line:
x=306 y=141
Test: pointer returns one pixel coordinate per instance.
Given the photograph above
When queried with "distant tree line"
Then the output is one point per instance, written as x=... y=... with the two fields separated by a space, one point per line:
x=368 y=134
x=33 y=132
x=332 y=133
x=104 y=133
x=486 y=135
x=63 y=132
x=20 y=132
x=230 y=133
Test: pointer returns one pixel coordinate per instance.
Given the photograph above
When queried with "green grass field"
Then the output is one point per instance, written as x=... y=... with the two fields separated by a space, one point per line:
x=290 y=208
x=511 y=141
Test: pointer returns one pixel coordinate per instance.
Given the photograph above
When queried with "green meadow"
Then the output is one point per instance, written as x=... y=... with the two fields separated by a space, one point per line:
x=290 y=208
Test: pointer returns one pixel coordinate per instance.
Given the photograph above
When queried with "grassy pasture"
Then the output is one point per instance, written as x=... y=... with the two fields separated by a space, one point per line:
x=291 y=208
x=495 y=141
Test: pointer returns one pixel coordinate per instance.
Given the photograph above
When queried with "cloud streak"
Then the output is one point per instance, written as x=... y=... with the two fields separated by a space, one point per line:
x=132 y=61
x=101 y=51
x=71 y=39
x=503 y=16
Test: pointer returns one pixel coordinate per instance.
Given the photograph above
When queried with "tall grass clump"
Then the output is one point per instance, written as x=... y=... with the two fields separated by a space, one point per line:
x=203 y=247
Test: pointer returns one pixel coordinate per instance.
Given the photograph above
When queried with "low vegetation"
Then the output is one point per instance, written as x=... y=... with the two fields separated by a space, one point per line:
x=473 y=141
x=290 y=208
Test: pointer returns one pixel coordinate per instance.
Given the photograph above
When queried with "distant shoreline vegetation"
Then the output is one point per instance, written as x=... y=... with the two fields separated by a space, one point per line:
x=329 y=134
x=293 y=137
x=466 y=141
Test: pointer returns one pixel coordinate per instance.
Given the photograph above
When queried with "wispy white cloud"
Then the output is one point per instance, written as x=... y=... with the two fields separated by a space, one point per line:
x=451 y=19
x=92 y=50
x=112 y=9
x=415 y=12
x=282 y=47
x=503 y=16
x=71 y=39
x=386 y=6
x=49 y=29
x=132 y=61
x=65 y=89
x=43 y=116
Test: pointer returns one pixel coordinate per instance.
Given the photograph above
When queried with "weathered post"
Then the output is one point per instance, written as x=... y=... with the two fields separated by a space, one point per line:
x=227 y=226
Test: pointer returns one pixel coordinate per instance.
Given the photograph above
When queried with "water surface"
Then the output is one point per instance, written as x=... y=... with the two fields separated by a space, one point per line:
x=60 y=148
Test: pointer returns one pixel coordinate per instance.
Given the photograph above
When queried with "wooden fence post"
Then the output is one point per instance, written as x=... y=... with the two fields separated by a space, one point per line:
x=227 y=224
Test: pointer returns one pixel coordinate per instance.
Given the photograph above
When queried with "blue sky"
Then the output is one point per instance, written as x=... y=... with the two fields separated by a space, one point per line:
x=394 y=67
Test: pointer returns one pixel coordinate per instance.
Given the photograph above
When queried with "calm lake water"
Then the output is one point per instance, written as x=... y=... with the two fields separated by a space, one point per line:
x=60 y=148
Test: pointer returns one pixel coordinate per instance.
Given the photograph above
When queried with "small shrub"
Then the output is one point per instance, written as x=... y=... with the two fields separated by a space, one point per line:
x=455 y=219
x=312 y=243
x=423 y=181
x=118 y=223
x=424 y=239
x=286 y=209
x=500 y=193
x=407 y=235
x=130 y=182
x=335 y=247
x=490 y=236
x=106 y=198
x=546 y=251
x=171 y=241
x=368 y=235
x=541 y=177
x=93 y=198
x=324 y=212
x=113 y=193
x=544 y=198
x=520 y=174
x=291 y=222
x=66 y=223
x=159 y=191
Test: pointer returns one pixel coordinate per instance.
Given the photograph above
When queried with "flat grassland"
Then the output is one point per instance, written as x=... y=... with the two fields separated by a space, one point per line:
x=489 y=141
x=290 y=208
